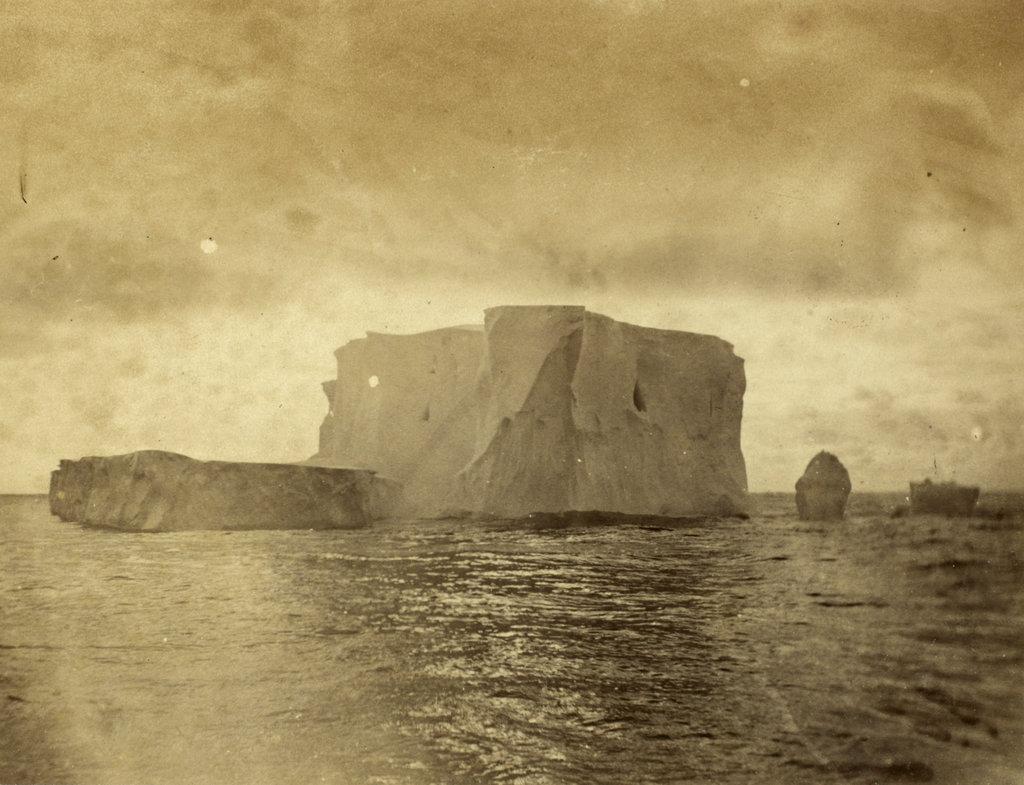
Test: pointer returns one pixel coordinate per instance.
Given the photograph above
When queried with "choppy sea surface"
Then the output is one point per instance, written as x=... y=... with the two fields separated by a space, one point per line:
x=768 y=650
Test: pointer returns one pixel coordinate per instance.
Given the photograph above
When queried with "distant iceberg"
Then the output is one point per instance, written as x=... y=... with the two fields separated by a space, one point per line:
x=822 y=490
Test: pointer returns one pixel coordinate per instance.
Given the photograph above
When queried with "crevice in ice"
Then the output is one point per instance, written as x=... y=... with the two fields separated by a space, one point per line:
x=638 y=398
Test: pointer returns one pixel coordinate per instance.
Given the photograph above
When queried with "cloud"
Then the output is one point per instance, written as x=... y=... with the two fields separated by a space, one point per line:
x=597 y=145
x=60 y=273
x=301 y=220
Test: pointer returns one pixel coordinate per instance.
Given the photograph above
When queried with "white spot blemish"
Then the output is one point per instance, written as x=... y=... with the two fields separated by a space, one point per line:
x=744 y=82
x=373 y=381
x=977 y=434
x=208 y=244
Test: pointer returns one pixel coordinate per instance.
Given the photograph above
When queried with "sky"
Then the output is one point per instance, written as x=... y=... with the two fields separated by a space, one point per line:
x=200 y=201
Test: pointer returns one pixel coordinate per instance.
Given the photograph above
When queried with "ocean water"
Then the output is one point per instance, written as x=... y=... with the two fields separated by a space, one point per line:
x=761 y=651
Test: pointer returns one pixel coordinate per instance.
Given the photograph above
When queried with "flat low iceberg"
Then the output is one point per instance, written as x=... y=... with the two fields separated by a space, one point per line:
x=154 y=490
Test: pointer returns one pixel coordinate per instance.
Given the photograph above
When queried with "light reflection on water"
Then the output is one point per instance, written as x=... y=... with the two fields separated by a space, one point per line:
x=760 y=651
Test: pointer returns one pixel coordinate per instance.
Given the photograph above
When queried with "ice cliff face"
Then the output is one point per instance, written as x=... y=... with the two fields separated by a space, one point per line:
x=154 y=490
x=547 y=408
x=404 y=405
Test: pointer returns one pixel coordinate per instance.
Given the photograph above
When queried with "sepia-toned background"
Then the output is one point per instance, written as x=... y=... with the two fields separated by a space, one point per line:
x=200 y=201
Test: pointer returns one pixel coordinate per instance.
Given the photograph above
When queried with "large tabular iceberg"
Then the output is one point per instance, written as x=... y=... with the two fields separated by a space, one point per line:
x=544 y=409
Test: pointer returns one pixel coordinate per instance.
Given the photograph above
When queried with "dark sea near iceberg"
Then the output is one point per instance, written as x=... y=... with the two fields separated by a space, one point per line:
x=762 y=651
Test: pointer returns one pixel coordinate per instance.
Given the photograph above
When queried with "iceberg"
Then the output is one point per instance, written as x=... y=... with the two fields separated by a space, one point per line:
x=543 y=409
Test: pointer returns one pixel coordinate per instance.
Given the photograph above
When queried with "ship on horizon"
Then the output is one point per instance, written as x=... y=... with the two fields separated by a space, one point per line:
x=944 y=498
